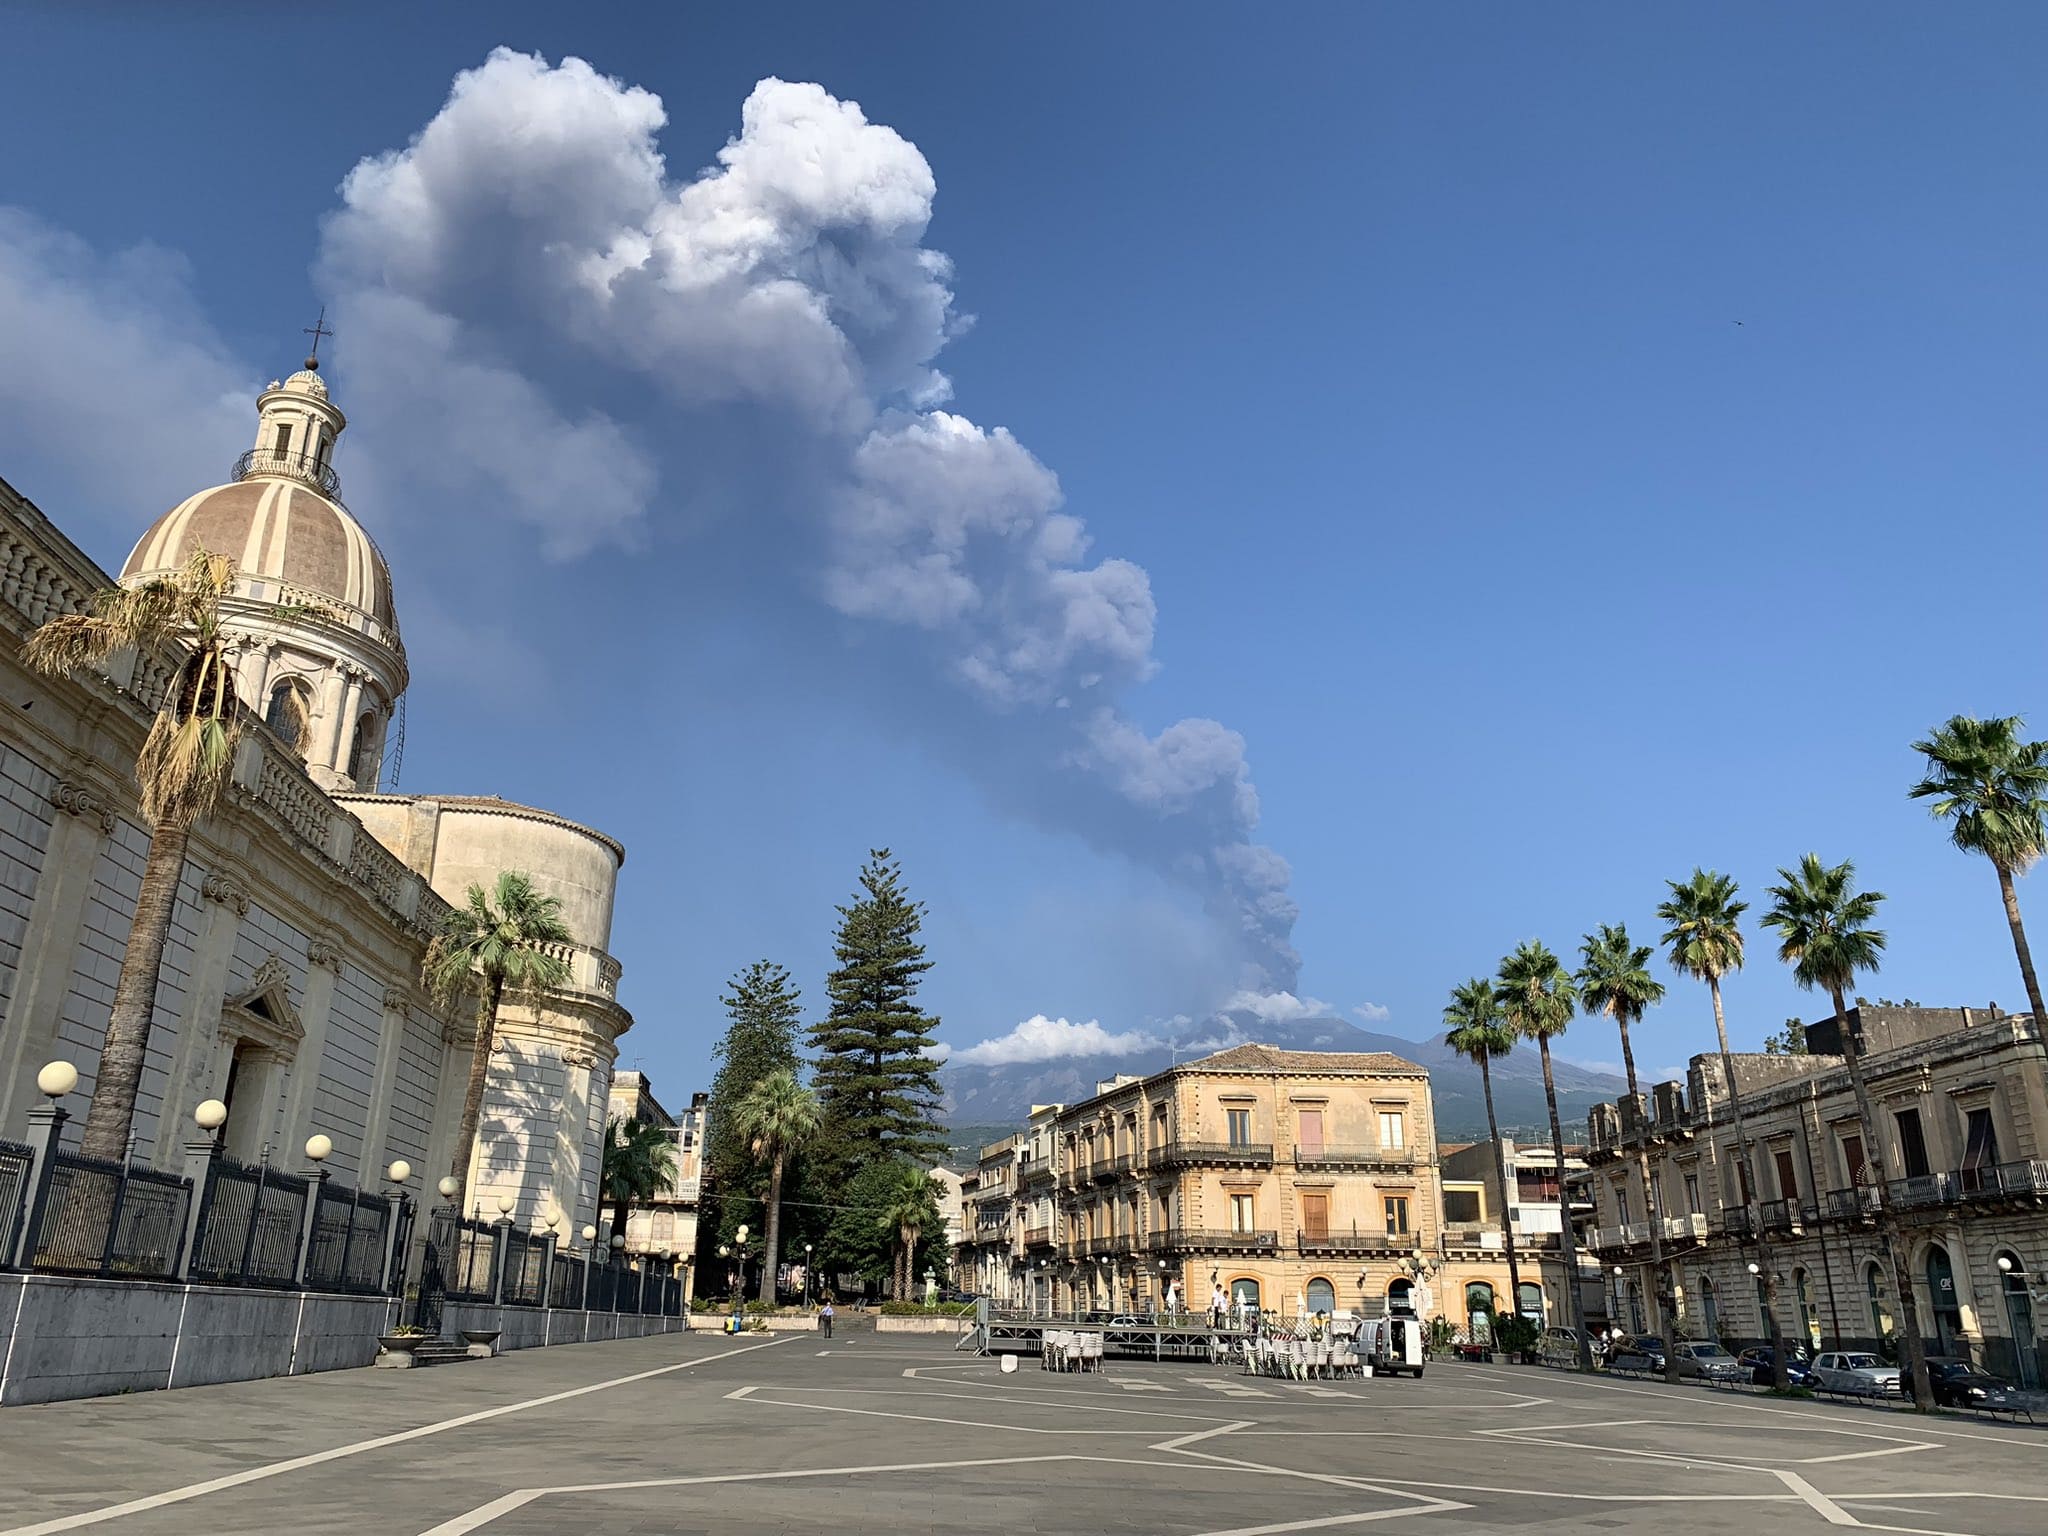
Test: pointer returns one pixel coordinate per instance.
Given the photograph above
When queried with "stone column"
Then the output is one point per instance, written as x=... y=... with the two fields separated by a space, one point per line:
x=456 y=1040
x=49 y=944
x=571 y=1126
x=351 y=706
x=384 y=1079
x=199 y=1160
x=322 y=972
x=45 y=1129
x=223 y=905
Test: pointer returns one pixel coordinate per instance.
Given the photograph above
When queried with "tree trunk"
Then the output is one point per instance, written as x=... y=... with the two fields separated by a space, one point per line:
x=1509 y=1192
x=126 y=1047
x=773 y=1236
x=2019 y=945
x=1745 y=1185
x=1663 y=1291
x=1575 y=1306
x=1910 y=1343
x=621 y=1209
x=473 y=1099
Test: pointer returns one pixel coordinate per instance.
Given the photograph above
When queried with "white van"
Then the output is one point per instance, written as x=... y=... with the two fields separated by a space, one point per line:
x=1391 y=1345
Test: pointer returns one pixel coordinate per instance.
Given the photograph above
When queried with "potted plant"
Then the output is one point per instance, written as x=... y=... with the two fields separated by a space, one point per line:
x=403 y=1339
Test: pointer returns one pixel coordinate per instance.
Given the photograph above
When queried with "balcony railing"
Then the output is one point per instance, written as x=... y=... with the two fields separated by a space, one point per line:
x=1923 y=1190
x=1779 y=1215
x=296 y=466
x=1107 y=1170
x=1354 y=1157
x=1207 y=1240
x=1034 y=1170
x=2028 y=1180
x=1339 y=1244
x=1226 y=1154
x=1858 y=1204
x=1038 y=1237
x=1733 y=1220
x=1487 y=1238
x=1685 y=1229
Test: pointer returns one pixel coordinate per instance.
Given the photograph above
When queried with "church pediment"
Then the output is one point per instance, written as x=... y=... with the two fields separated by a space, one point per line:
x=263 y=1008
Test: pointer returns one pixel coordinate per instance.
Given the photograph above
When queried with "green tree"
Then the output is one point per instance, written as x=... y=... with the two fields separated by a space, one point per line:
x=491 y=945
x=910 y=1207
x=876 y=1078
x=778 y=1115
x=1479 y=1033
x=1704 y=941
x=1789 y=1041
x=1614 y=978
x=763 y=1017
x=855 y=1241
x=1537 y=1000
x=1824 y=929
x=639 y=1163
x=1992 y=788
x=183 y=768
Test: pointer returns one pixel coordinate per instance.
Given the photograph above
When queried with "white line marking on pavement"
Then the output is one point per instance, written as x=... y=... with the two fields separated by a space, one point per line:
x=1819 y=1502
x=1435 y=1508
x=823 y=1352
x=1143 y=1386
x=739 y=1392
x=316 y=1458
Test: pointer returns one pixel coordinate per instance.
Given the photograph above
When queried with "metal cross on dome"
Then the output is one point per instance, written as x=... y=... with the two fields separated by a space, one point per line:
x=317 y=330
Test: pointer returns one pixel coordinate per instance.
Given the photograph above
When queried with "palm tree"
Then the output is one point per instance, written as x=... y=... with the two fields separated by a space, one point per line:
x=1993 y=787
x=907 y=1210
x=777 y=1116
x=639 y=1163
x=1479 y=1033
x=1705 y=942
x=1614 y=978
x=183 y=769
x=1537 y=1001
x=1823 y=925
x=492 y=944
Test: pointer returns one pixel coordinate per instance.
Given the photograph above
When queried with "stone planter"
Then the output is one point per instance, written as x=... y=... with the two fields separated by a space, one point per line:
x=394 y=1350
x=482 y=1342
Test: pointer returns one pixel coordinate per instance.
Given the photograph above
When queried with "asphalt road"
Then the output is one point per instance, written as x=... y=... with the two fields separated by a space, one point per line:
x=695 y=1433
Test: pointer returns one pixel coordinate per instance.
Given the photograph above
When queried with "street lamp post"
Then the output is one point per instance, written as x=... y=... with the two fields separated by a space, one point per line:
x=807 y=1274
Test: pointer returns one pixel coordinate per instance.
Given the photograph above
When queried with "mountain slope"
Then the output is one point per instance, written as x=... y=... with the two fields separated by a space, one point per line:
x=1003 y=1094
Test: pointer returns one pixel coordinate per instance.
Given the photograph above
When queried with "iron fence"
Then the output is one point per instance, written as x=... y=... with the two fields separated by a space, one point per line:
x=17 y=1164
x=249 y=1226
x=565 y=1286
x=526 y=1269
x=349 y=1233
x=103 y=1218
x=604 y=1288
x=472 y=1261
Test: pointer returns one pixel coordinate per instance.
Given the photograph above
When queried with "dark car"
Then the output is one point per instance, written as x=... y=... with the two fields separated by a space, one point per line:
x=1958 y=1384
x=1642 y=1352
x=1798 y=1373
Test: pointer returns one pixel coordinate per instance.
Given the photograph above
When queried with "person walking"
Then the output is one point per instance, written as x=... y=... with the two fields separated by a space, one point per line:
x=825 y=1319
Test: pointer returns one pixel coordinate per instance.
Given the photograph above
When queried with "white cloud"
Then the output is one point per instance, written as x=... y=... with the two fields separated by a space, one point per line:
x=78 y=328
x=1374 y=1013
x=1039 y=1038
x=1277 y=1007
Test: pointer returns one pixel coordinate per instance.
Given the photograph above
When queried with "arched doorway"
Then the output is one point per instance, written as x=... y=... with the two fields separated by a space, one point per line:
x=1635 y=1307
x=1947 y=1304
x=1809 y=1314
x=1710 y=1307
x=1479 y=1309
x=1244 y=1295
x=1874 y=1292
x=1322 y=1296
x=2019 y=1317
x=1401 y=1294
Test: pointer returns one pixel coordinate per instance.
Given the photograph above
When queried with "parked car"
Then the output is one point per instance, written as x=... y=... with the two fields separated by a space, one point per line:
x=1642 y=1352
x=1849 y=1371
x=1707 y=1361
x=1959 y=1384
x=1559 y=1346
x=1798 y=1370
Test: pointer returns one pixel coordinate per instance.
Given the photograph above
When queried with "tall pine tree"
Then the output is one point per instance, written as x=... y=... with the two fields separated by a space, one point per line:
x=875 y=1074
x=759 y=1040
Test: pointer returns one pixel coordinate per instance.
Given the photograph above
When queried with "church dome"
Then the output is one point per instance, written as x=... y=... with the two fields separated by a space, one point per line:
x=281 y=519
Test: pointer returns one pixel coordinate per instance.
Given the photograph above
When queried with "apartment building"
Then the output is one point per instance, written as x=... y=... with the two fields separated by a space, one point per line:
x=1295 y=1180
x=1477 y=1181
x=1960 y=1097
x=989 y=1258
x=669 y=1219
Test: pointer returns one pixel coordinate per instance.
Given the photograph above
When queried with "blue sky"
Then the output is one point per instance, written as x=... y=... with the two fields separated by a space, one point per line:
x=1541 y=449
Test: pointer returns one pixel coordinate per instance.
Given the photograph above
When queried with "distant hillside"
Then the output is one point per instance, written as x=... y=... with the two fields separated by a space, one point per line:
x=996 y=1099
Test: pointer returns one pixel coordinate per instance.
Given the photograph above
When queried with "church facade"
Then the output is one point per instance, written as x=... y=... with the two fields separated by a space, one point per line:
x=290 y=988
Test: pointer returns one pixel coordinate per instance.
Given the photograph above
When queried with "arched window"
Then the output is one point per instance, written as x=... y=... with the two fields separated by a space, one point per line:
x=361 y=752
x=1874 y=1289
x=1809 y=1313
x=1710 y=1307
x=1322 y=1296
x=1532 y=1301
x=1948 y=1309
x=1479 y=1309
x=286 y=712
x=1244 y=1294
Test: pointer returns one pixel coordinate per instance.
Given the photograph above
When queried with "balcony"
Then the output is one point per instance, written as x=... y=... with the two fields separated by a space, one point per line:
x=2009 y=1181
x=1204 y=1240
x=1397 y=1159
x=1925 y=1190
x=1487 y=1239
x=1038 y=1237
x=1854 y=1205
x=1342 y=1244
x=1629 y=1235
x=1107 y=1170
x=1217 y=1154
x=293 y=466
x=1033 y=1171
x=1685 y=1229
x=1733 y=1221
x=1780 y=1216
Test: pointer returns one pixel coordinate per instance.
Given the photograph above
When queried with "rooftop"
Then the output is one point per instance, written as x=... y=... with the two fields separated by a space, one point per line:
x=1271 y=1058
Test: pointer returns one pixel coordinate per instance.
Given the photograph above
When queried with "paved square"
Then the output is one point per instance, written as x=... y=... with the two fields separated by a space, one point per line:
x=701 y=1434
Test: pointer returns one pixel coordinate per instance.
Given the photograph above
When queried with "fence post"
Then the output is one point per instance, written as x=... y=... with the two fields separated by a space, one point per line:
x=394 y=1245
x=200 y=1157
x=45 y=1125
x=315 y=1182
x=501 y=1251
x=547 y=1281
x=586 y=1278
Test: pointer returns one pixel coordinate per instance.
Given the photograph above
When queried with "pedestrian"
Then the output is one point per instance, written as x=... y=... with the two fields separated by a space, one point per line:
x=825 y=1317
x=1219 y=1306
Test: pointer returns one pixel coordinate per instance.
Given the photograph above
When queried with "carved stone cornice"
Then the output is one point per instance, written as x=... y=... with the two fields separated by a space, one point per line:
x=397 y=999
x=226 y=889
x=75 y=799
x=324 y=952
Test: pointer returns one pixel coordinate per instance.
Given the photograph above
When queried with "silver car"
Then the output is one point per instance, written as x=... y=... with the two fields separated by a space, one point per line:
x=1708 y=1362
x=1846 y=1371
